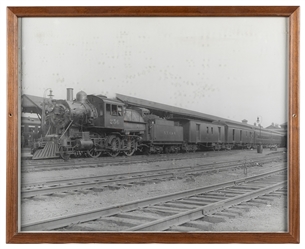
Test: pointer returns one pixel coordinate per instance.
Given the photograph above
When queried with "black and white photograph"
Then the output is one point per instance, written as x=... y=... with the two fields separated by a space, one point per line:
x=153 y=124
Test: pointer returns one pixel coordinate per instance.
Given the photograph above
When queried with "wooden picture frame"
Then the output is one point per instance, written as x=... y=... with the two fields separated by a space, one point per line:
x=12 y=204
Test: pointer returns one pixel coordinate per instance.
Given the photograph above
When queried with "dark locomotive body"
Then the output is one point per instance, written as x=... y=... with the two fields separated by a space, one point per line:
x=162 y=135
x=93 y=125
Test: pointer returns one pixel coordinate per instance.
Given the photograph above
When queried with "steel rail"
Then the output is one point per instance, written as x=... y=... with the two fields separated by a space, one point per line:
x=63 y=221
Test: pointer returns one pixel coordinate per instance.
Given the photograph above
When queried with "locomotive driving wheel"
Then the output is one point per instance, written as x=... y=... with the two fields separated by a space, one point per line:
x=64 y=153
x=93 y=151
x=131 y=145
x=115 y=146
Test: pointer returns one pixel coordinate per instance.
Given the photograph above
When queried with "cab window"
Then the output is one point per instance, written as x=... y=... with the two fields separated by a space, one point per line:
x=120 y=111
x=101 y=110
x=114 y=110
x=108 y=108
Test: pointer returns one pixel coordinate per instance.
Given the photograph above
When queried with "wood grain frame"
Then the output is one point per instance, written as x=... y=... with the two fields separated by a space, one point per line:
x=12 y=233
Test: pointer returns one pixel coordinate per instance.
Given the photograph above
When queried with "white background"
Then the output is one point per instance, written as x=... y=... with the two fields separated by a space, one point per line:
x=234 y=68
x=5 y=3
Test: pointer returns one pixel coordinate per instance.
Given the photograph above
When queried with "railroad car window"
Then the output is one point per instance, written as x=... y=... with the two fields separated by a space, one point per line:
x=219 y=133
x=114 y=110
x=207 y=129
x=212 y=130
x=120 y=111
x=107 y=108
x=233 y=134
x=198 y=130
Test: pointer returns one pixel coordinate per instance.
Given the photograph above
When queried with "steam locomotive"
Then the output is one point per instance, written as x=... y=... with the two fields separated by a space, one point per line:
x=92 y=125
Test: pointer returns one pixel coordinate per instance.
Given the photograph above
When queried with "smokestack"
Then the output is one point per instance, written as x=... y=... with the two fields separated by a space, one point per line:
x=69 y=94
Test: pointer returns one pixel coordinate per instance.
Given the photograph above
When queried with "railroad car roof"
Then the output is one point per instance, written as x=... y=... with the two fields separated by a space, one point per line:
x=158 y=108
x=165 y=108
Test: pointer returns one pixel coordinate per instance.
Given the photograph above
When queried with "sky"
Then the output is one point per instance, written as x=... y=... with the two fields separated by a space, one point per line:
x=235 y=68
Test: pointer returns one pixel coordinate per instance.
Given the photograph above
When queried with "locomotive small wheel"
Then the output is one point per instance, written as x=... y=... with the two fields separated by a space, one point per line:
x=167 y=150
x=115 y=146
x=78 y=154
x=63 y=153
x=216 y=148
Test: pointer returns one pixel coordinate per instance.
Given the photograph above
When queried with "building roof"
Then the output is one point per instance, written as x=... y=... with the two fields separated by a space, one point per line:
x=31 y=104
x=30 y=121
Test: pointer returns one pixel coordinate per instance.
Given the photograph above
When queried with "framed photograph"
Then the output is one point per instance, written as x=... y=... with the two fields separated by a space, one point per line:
x=153 y=125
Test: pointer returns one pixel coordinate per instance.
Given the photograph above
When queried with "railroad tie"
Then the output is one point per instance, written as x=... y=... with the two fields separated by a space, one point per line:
x=201 y=225
x=213 y=218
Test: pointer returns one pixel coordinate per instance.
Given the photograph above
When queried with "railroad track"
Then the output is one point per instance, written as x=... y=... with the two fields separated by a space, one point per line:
x=116 y=181
x=187 y=209
x=58 y=164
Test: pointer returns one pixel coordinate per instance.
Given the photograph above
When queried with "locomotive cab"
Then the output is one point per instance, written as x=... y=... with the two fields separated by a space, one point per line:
x=110 y=113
